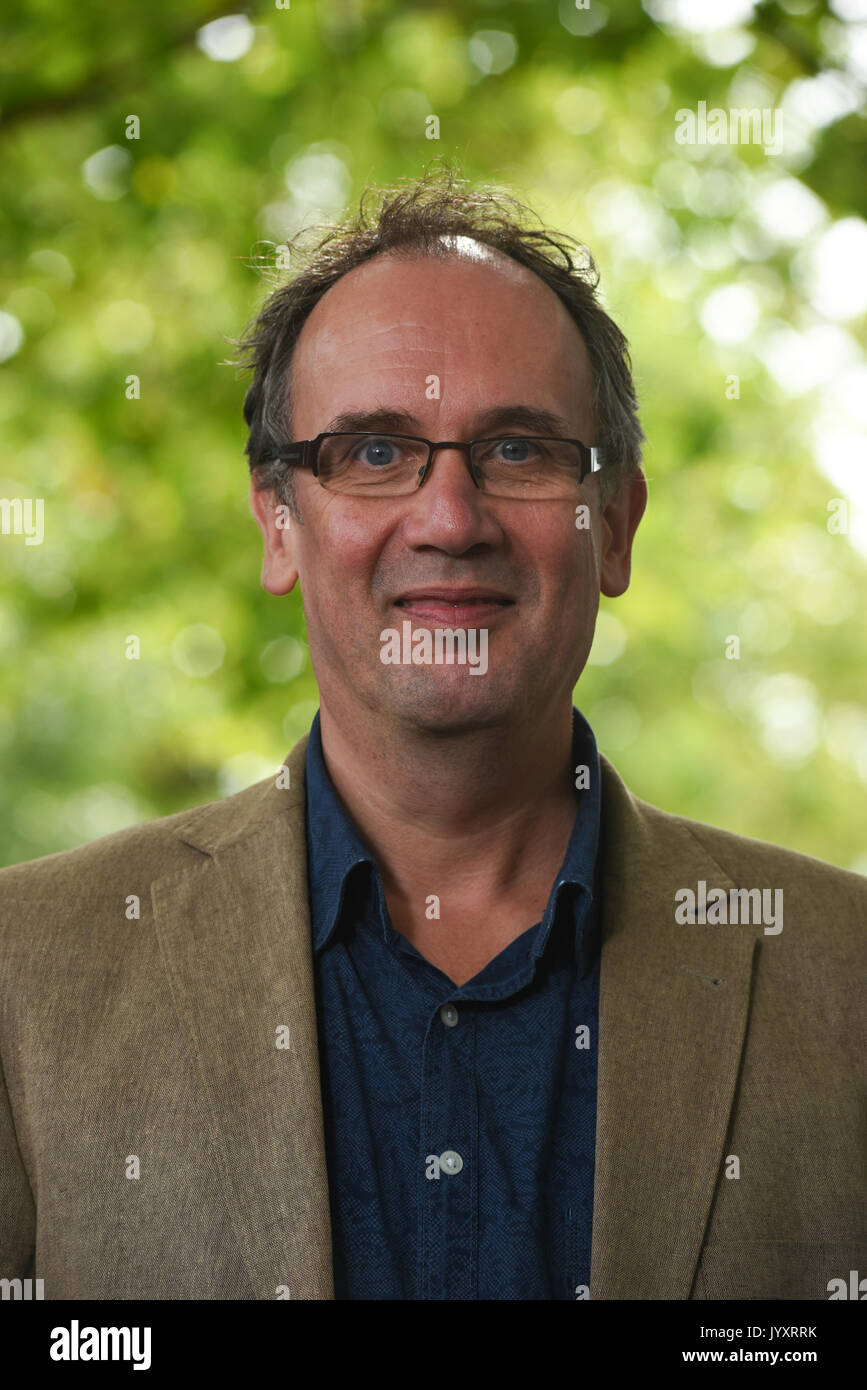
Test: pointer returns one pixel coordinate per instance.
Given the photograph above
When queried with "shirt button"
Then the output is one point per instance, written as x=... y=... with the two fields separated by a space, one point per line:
x=451 y=1162
x=449 y=1015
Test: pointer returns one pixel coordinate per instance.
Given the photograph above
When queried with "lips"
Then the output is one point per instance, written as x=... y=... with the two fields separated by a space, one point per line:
x=454 y=607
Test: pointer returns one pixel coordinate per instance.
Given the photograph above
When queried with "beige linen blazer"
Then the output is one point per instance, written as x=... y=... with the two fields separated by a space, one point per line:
x=157 y=1143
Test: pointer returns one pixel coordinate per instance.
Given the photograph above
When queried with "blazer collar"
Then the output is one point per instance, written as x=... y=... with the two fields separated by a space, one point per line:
x=234 y=931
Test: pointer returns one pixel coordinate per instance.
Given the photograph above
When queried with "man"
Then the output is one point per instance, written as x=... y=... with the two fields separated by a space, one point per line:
x=442 y=1011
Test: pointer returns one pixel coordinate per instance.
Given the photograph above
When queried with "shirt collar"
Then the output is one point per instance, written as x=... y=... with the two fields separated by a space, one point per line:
x=334 y=847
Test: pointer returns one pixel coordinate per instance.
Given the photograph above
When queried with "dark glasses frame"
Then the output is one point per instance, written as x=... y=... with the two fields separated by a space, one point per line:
x=305 y=452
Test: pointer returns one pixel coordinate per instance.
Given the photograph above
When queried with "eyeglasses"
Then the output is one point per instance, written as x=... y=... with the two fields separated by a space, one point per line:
x=392 y=465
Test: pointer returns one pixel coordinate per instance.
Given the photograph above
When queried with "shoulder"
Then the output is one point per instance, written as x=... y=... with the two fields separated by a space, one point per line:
x=130 y=860
x=742 y=855
x=154 y=848
x=144 y=851
x=825 y=905
x=66 y=917
x=647 y=826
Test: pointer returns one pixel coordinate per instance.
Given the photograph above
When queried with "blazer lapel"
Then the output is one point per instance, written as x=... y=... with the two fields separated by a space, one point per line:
x=672 y=1021
x=234 y=931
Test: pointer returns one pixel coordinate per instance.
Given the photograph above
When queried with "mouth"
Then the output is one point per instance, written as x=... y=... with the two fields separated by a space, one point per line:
x=454 y=607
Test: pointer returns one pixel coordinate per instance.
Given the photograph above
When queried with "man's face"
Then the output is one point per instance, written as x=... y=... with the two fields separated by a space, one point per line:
x=494 y=337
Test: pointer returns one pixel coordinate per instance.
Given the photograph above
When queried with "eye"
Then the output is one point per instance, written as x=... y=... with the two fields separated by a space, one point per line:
x=378 y=452
x=515 y=450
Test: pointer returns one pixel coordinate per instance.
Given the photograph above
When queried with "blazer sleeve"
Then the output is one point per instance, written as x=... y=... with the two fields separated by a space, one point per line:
x=17 y=1207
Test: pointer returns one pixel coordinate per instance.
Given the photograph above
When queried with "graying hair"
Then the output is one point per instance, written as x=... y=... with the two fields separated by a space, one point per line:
x=421 y=219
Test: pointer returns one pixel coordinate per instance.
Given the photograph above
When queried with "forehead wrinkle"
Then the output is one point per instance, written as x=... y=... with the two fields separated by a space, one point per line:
x=371 y=343
x=361 y=343
x=481 y=257
x=330 y=341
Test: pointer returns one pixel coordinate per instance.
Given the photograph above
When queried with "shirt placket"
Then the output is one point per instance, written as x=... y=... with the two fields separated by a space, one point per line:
x=448 y=1255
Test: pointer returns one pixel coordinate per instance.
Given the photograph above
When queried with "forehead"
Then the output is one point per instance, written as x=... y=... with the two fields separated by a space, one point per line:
x=489 y=328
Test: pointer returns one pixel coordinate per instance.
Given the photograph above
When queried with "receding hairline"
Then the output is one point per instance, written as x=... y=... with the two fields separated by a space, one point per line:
x=447 y=247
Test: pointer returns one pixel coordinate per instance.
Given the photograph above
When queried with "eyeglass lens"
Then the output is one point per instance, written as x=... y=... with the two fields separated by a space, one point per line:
x=389 y=465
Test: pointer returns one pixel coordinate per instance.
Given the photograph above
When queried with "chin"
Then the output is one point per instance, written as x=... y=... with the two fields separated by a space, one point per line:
x=449 y=700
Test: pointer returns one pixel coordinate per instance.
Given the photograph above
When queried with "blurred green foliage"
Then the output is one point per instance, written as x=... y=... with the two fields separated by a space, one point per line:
x=141 y=257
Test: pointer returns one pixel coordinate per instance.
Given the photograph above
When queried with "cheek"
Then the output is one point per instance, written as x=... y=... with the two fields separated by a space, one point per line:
x=567 y=563
x=341 y=549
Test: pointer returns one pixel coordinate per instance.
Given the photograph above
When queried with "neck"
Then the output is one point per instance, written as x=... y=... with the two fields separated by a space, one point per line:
x=481 y=810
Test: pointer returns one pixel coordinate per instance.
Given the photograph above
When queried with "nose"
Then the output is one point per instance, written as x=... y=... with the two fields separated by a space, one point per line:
x=459 y=450
x=448 y=511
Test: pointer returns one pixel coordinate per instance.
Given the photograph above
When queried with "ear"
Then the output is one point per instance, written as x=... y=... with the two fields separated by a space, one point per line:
x=277 y=524
x=620 y=518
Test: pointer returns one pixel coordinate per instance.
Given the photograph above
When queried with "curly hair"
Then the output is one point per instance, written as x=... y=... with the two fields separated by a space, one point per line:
x=421 y=219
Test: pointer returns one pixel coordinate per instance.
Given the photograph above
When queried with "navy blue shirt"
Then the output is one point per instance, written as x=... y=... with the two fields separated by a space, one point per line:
x=460 y=1122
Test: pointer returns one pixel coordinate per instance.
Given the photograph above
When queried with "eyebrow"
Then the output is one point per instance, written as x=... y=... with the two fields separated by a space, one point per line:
x=544 y=422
